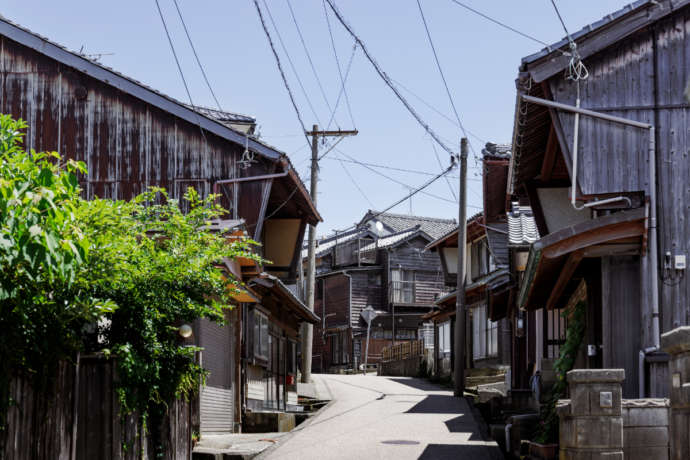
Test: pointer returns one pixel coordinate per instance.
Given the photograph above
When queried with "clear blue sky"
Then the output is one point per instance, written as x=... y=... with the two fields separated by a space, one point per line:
x=480 y=61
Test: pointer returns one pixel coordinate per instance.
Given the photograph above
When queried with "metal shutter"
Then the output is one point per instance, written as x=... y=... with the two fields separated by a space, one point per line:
x=217 y=396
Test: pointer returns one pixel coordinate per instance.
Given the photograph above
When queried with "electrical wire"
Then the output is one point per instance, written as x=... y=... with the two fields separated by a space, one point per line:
x=343 y=91
x=292 y=65
x=576 y=68
x=306 y=51
x=352 y=179
x=423 y=101
x=340 y=72
x=452 y=192
x=501 y=24
x=196 y=56
x=393 y=168
x=388 y=81
x=443 y=77
x=179 y=69
x=395 y=180
x=280 y=69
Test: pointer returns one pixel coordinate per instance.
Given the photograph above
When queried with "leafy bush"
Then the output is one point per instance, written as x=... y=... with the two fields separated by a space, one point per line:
x=117 y=277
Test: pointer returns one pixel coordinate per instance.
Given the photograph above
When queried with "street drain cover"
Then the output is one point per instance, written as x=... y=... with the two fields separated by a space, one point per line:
x=400 y=442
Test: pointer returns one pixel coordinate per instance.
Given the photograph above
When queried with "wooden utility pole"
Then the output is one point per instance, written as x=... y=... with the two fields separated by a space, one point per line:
x=460 y=327
x=308 y=329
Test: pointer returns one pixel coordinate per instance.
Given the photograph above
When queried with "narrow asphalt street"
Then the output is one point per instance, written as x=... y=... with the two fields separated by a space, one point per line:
x=397 y=418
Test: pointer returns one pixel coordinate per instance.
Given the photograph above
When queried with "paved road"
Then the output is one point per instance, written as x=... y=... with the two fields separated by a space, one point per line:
x=397 y=418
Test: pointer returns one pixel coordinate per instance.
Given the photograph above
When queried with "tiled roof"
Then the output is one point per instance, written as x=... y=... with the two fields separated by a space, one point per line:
x=229 y=119
x=522 y=228
x=388 y=241
x=326 y=244
x=497 y=150
x=432 y=226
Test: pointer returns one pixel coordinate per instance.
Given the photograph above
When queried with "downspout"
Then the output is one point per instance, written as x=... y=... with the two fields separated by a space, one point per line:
x=652 y=254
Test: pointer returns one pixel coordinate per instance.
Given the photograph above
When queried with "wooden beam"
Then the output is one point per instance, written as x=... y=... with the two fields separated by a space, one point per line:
x=566 y=273
x=594 y=237
x=549 y=156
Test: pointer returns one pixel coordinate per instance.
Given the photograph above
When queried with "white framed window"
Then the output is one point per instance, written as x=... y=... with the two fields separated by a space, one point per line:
x=261 y=338
x=484 y=334
x=402 y=285
x=444 y=337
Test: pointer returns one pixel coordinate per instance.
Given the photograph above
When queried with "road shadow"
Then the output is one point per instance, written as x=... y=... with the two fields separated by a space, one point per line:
x=418 y=384
x=439 y=404
x=459 y=451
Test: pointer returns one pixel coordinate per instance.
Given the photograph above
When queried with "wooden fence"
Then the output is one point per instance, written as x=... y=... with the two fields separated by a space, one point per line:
x=403 y=350
x=77 y=417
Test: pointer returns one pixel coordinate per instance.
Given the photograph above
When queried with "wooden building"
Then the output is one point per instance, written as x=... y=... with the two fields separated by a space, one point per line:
x=132 y=137
x=381 y=264
x=630 y=251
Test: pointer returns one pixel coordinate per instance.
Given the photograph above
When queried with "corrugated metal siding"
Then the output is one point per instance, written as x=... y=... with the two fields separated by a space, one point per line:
x=216 y=410
x=217 y=397
x=255 y=383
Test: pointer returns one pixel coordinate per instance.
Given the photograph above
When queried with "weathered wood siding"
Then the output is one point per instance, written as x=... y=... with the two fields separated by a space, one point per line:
x=621 y=318
x=128 y=145
x=365 y=293
x=411 y=256
x=497 y=237
x=649 y=69
x=41 y=424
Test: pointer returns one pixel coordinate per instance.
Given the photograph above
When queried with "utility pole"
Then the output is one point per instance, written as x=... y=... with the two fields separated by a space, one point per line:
x=308 y=329
x=460 y=327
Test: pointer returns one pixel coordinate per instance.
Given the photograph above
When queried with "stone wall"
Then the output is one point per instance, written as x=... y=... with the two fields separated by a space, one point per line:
x=645 y=429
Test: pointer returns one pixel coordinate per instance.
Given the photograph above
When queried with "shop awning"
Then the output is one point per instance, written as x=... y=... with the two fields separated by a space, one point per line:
x=554 y=258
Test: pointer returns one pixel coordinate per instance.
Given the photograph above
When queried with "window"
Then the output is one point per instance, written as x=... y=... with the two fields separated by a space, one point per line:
x=556 y=325
x=484 y=334
x=405 y=334
x=374 y=278
x=426 y=333
x=291 y=357
x=261 y=338
x=402 y=286
x=444 y=337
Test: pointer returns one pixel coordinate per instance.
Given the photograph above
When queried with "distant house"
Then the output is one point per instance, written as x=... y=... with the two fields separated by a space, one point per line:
x=602 y=253
x=492 y=238
x=132 y=137
x=381 y=264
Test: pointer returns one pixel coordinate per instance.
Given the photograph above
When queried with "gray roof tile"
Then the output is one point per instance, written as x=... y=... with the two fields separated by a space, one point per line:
x=522 y=229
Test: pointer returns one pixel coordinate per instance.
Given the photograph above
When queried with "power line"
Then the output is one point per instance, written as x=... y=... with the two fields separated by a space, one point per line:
x=306 y=51
x=177 y=61
x=352 y=179
x=560 y=18
x=343 y=91
x=387 y=80
x=423 y=101
x=443 y=77
x=393 y=179
x=340 y=72
x=292 y=65
x=393 y=168
x=450 y=187
x=280 y=69
x=179 y=69
x=196 y=56
x=501 y=24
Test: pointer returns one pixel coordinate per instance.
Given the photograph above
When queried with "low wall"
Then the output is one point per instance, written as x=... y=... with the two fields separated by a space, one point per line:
x=645 y=429
x=408 y=367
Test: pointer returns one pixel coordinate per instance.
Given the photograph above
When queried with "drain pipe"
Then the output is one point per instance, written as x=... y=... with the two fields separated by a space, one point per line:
x=508 y=427
x=652 y=253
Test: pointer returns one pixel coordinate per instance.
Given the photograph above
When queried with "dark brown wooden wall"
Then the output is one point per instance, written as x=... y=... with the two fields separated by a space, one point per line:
x=40 y=425
x=630 y=79
x=127 y=144
x=364 y=294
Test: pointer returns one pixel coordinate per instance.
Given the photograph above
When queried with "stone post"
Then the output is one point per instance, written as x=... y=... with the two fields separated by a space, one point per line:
x=677 y=344
x=591 y=426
